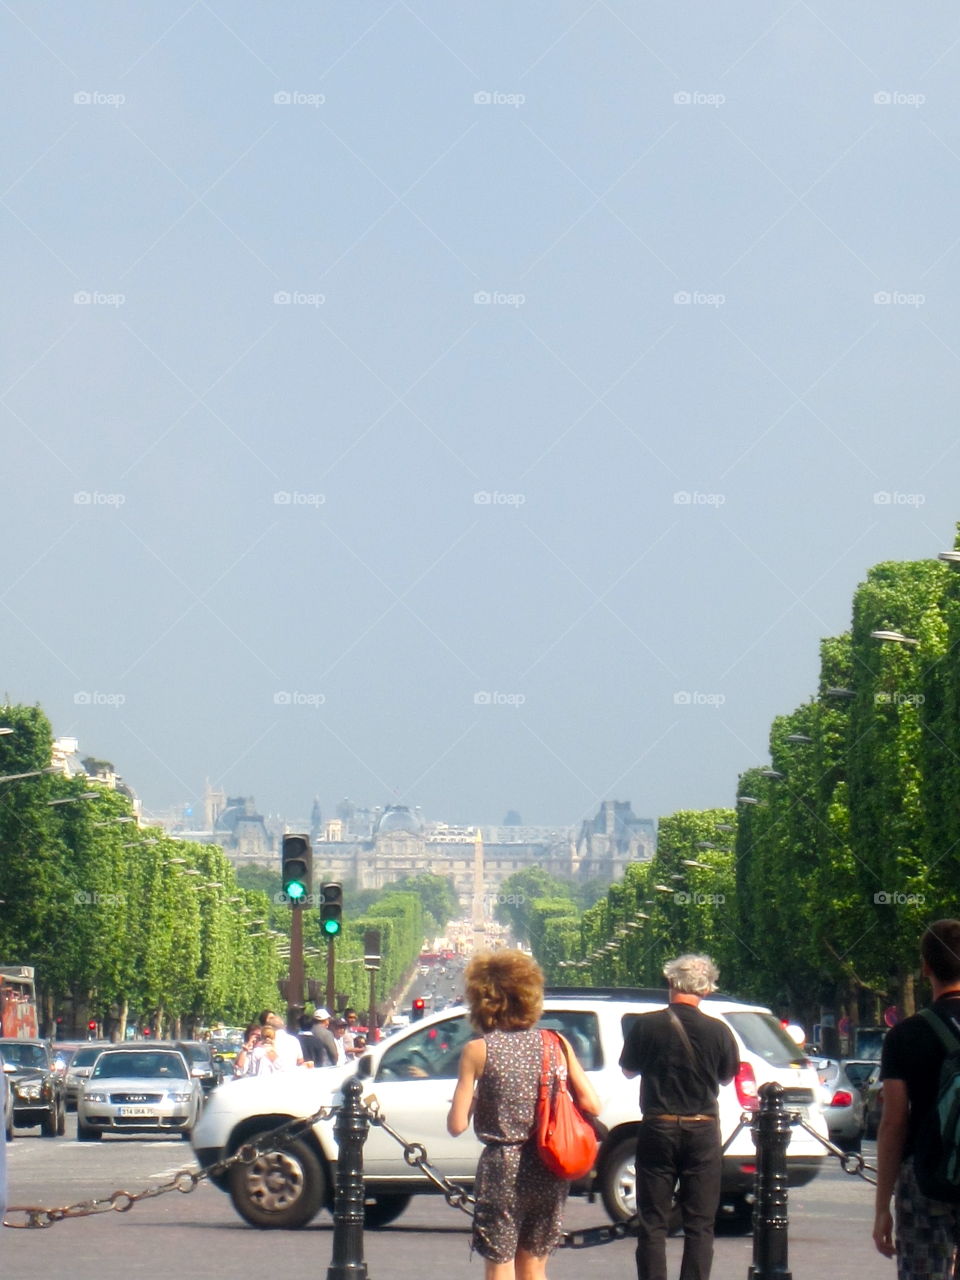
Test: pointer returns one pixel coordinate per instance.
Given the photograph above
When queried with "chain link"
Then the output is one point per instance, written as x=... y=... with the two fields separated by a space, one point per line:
x=184 y=1180
x=851 y=1162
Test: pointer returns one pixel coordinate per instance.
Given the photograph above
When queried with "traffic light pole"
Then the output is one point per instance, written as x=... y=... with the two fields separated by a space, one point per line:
x=295 y=985
x=331 y=969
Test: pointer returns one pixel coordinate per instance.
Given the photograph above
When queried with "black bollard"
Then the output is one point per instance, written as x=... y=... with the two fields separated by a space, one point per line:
x=351 y=1133
x=771 y=1133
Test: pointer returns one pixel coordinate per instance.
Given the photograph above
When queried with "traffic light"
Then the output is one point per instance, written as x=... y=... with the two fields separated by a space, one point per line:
x=331 y=909
x=296 y=868
x=418 y=1008
x=92 y=1024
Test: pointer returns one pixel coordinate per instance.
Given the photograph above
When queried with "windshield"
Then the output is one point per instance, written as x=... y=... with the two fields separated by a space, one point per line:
x=87 y=1057
x=25 y=1055
x=763 y=1035
x=144 y=1065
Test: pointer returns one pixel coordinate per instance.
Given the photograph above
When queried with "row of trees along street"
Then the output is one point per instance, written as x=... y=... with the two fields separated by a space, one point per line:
x=125 y=924
x=811 y=892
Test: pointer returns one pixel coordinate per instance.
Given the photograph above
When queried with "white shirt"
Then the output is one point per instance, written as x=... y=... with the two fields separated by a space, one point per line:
x=288 y=1048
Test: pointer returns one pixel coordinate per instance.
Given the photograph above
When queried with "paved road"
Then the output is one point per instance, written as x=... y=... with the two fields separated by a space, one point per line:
x=199 y=1235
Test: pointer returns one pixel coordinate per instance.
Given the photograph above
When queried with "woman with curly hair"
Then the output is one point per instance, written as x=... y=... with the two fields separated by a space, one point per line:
x=519 y=1209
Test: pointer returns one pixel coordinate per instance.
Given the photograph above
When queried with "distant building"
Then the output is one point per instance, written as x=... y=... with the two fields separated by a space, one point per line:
x=613 y=839
x=66 y=757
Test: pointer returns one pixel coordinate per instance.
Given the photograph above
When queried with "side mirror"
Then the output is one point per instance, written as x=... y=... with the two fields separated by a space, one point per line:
x=9 y=1068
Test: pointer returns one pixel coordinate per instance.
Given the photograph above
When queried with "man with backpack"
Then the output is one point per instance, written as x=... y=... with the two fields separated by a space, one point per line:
x=918 y=1156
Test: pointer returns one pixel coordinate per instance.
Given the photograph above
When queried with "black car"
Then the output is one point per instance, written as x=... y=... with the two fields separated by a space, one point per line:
x=37 y=1088
x=203 y=1064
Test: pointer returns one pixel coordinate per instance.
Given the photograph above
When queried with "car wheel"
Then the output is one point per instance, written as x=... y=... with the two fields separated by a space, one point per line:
x=61 y=1120
x=48 y=1125
x=378 y=1211
x=186 y=1134
x=8 y=1131
x=280 y=1188
x=737 y=1220
x=852 y=1144
x=618 y=1180
x=86 y=1134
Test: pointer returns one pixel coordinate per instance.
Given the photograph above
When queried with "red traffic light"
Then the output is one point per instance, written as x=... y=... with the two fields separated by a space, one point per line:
x=92 y=1024
x=418 y=1008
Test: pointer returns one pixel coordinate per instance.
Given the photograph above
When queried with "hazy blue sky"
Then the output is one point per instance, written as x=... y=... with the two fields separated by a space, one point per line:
x=484 y=291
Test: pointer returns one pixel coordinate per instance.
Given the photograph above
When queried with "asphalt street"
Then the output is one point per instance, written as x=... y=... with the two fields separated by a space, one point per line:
x=199 y=1235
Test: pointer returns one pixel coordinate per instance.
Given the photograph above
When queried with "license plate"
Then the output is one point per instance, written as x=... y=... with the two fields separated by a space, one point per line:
x=134 y=1111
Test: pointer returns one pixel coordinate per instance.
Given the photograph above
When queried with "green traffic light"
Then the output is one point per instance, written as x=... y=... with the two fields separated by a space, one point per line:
x=296 y=890
x=331 y=927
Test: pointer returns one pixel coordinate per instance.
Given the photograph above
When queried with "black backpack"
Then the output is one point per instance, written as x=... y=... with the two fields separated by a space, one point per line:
x=936 y=1160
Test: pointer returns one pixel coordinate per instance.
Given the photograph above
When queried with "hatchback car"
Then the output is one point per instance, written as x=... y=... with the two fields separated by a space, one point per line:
x=412 y=1077
x=79 y=1068
x=843 y=1106
x=137 y=1088
x=37 y=1089
x=204 y=1066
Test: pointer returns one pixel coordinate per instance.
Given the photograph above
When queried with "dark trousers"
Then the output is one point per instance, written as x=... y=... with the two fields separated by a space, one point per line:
x=681 y=1154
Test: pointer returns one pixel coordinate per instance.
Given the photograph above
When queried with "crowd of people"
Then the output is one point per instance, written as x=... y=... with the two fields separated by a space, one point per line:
x=322 y=1041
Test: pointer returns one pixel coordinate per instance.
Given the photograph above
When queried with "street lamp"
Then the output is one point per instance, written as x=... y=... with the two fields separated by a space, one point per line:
x=31 y=773
x=748 y=800
x=113 y=821
x=772 y=773
x=84 y=795
x=894 y=637
x=951 y=557
x=692 y=862
x=834 y=692
x=798 y=737
x=5 y=729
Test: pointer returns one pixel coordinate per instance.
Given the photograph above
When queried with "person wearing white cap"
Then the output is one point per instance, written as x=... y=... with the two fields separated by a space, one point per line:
x=319 y=1048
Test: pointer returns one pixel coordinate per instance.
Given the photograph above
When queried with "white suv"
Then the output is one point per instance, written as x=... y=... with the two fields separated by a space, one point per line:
x=412 y=1076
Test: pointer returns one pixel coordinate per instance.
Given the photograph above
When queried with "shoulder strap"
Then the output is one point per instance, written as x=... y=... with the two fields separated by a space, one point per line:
x=942 y=1030
x=681 y=1029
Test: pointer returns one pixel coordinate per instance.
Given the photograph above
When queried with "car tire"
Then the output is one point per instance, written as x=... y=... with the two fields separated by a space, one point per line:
x=380 y=1211
x=8 y=1130
x=62 y=1120
x=618 y=1180
x=86 y=1134
x=738 y=1220
x=280 y=1189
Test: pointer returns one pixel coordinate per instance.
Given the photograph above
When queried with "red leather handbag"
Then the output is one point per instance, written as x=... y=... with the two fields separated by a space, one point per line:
x=566 y=1142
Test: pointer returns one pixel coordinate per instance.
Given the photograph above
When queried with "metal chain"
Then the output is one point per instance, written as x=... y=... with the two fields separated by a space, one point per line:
x=851 y=1162
x=185 y=1180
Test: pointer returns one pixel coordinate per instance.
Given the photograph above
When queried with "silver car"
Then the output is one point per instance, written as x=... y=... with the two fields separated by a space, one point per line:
x=137 y=1089
x=842 y=1102
x=79 y=1068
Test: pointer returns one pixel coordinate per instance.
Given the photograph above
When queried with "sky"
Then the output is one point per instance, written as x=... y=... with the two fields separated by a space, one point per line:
x=472 y=406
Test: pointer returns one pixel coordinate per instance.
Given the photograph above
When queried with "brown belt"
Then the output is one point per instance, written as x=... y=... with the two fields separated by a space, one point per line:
x=674 y=1119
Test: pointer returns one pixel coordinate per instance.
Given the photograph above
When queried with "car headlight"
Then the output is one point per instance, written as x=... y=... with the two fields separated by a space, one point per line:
x=179 y=1097
x=30 y=1092
x=94 y=1097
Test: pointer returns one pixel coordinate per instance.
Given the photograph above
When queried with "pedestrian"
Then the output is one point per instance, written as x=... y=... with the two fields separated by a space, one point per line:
x=353 y=1022
x=317 y=1039
x=518 y=1217
x=682 y=1056
x=287 y=1045
x=243 y=1064
x=927 y=1231
x=266 y=1056
x=337 y=1028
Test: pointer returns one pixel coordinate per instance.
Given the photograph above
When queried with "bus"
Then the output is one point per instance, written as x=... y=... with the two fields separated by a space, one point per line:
x=18 y=1003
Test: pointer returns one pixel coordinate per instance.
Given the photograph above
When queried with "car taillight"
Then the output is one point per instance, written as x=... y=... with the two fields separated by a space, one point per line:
x=746 y=1083
x=841 y=1099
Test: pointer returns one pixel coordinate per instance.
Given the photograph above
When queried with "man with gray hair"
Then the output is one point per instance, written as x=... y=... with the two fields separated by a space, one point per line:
x=682 y=1056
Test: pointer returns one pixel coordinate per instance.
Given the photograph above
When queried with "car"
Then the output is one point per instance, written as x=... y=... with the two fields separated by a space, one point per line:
x=7 y=1102
x=412 y=1076
x=38 y=1091
x=842 y=1102
x=874 y=1101
x=204 y=1066
x=138 y=1087
x=79 y=1068
x=63 y=1052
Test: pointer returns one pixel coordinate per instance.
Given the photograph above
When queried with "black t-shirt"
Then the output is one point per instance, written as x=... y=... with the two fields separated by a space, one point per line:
x=675 y=1081
x=912 y=1052
x=316 y=1050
